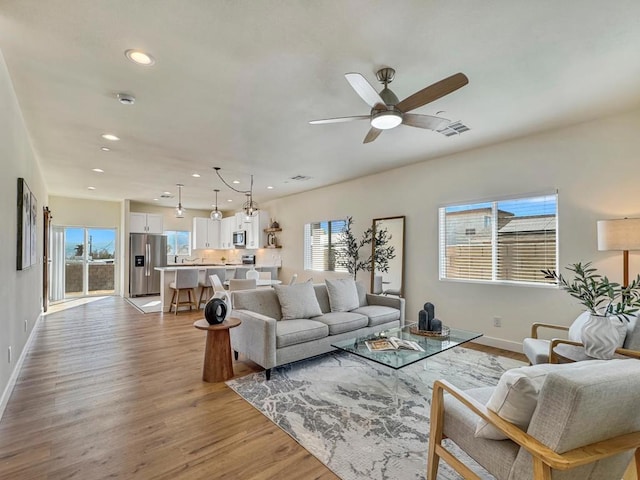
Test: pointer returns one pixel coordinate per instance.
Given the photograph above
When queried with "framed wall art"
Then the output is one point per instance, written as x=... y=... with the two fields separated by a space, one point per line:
x=23 y=257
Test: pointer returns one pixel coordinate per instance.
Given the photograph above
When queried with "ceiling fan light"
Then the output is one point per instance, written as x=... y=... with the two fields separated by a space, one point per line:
x=386 y=120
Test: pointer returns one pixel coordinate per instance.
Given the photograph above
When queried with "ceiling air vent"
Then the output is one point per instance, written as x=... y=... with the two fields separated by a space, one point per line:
x=454 y=128
x=300 y=178
x=164 y=195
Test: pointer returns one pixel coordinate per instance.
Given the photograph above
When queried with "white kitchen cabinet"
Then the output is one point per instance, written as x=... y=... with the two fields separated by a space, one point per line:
x=256 y=237
x=227 y=227
x=145 y=223
x=206 y=233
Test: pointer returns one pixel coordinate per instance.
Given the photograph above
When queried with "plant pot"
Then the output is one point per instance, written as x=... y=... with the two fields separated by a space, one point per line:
x=602 y=335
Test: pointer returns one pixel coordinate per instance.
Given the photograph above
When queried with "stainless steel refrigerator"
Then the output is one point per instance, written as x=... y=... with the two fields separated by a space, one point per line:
x=145 y=253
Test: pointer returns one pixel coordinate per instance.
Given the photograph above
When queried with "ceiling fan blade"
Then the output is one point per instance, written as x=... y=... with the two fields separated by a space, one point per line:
x=424 y=121
x=364 y=89
x=372 y=135
x=433 y=92
x=340 y=119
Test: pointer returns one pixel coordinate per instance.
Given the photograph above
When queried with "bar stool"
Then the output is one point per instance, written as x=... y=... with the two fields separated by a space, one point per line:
x=205 y=285
x=241 y=273
x=185 y=280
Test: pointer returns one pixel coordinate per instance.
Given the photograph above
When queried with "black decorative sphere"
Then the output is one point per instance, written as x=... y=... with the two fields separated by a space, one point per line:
x=215 y=311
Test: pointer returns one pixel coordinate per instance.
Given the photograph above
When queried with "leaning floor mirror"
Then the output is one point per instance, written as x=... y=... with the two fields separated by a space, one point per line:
x=387 y=269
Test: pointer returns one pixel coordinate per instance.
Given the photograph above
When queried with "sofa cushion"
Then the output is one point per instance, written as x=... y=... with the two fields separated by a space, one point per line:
x=362 y=294
x=341 y=322
x=575 y=330
x=297 y=301
x=260 y=300
x=378 y=314
x=516 y=396
x=632 y=340
x=536 y=350
x=293 y=332
x=322 y=296
x=343 y=295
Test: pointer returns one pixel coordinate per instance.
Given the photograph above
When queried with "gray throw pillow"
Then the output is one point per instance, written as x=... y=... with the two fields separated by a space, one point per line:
x=298 y=301
x=343 y=294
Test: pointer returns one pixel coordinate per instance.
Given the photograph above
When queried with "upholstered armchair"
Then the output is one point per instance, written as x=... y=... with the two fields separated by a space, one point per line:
x=558 y=350
x=580 y=422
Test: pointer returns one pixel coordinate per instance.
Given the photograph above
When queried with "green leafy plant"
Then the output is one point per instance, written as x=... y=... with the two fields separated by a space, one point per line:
x=349 y=256
x=599 y=295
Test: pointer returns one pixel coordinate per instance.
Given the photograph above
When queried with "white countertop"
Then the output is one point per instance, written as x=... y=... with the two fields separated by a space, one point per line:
x=170 y=268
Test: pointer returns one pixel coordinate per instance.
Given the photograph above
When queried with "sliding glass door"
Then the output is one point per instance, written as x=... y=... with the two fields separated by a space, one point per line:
x=89 y=262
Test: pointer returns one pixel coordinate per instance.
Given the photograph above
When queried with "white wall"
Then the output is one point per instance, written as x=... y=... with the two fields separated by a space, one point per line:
x=21 y=291
x=74 y=212
x=595 y=166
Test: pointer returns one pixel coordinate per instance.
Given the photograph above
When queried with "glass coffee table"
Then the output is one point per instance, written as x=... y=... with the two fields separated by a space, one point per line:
x=400 y=358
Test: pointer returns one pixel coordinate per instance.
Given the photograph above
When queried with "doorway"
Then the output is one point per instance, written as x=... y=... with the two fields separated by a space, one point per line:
x=83 y=262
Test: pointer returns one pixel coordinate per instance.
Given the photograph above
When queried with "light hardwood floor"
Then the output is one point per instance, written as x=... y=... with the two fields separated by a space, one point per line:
x=106 y=391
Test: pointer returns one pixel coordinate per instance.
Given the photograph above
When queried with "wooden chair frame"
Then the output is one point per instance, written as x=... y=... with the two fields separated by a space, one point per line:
x=554 y=357
x=544 y=459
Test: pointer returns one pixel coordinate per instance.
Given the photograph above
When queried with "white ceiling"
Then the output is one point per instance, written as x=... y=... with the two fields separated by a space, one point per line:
x=236 y=82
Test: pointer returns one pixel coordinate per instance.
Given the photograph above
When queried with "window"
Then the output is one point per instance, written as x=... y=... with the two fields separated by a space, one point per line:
x=321 y=241
x=178 y=242
x=501 y=241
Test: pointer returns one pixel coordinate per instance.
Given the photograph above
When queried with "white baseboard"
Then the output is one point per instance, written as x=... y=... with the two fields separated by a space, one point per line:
x=500 y=343
x=4 y=399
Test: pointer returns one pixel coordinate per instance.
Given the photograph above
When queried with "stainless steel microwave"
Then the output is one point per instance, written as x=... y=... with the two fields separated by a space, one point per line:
x=240 y=238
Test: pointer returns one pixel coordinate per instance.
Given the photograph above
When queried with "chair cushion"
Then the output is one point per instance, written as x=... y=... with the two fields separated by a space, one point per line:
x=536 y=350
x=632 y=340
x=293 y=332
x=516 y=396
x=378 y=314
x=341 y=322
x=297 y=301
x=459 y=426
x=343 y=294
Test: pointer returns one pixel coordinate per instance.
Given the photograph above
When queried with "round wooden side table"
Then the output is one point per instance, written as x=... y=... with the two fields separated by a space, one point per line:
x=218 y=365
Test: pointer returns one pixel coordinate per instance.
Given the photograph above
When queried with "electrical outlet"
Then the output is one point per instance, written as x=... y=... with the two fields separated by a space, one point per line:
x=497 y=322
x=9 y=355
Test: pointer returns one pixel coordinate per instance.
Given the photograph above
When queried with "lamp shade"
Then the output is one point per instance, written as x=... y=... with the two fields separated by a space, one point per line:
x=622 y=234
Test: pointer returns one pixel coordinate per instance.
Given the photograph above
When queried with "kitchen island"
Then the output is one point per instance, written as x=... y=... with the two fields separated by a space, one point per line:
x=168 y=275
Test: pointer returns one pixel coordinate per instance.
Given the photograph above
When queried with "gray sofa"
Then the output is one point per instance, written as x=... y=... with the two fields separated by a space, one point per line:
x=269 y=341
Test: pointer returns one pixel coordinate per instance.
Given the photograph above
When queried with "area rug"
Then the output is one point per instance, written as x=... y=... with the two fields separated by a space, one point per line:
x=359 y=418
x=146 y=304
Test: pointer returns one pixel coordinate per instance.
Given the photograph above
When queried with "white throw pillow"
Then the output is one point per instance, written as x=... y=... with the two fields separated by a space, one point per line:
x=516 y=396
x=575 y=330
x=343 y=294
x=298 y=301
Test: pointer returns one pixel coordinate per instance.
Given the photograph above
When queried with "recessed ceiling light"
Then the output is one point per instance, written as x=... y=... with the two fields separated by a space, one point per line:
x=91 y=188
x=196 y=175
x=105 y=149
x=139 y=57
x=110 y=136
x=229 y=200
x=155 y=199
x=270 y=187
x=166 y=193
x=98 y=170
x=236 y=181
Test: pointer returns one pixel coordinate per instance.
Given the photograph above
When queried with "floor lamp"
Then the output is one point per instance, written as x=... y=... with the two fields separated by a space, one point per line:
x=622 y=234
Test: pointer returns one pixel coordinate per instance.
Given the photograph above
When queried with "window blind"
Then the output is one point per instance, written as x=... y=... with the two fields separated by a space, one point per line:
x=506 y=241
x=321 y=241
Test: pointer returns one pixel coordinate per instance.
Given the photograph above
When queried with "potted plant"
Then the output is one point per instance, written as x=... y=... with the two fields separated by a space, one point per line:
x=349 y=256
x=610 y=306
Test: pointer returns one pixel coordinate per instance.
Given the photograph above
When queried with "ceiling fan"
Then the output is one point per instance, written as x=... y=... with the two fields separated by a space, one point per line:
x=388 y=112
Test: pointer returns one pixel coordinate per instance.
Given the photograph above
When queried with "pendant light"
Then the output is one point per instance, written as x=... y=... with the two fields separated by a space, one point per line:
x=216 y=214
x=179 y=209
x=250 y=207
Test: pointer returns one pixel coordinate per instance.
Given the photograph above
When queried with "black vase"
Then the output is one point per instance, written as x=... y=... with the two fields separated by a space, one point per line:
x=215 y=311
